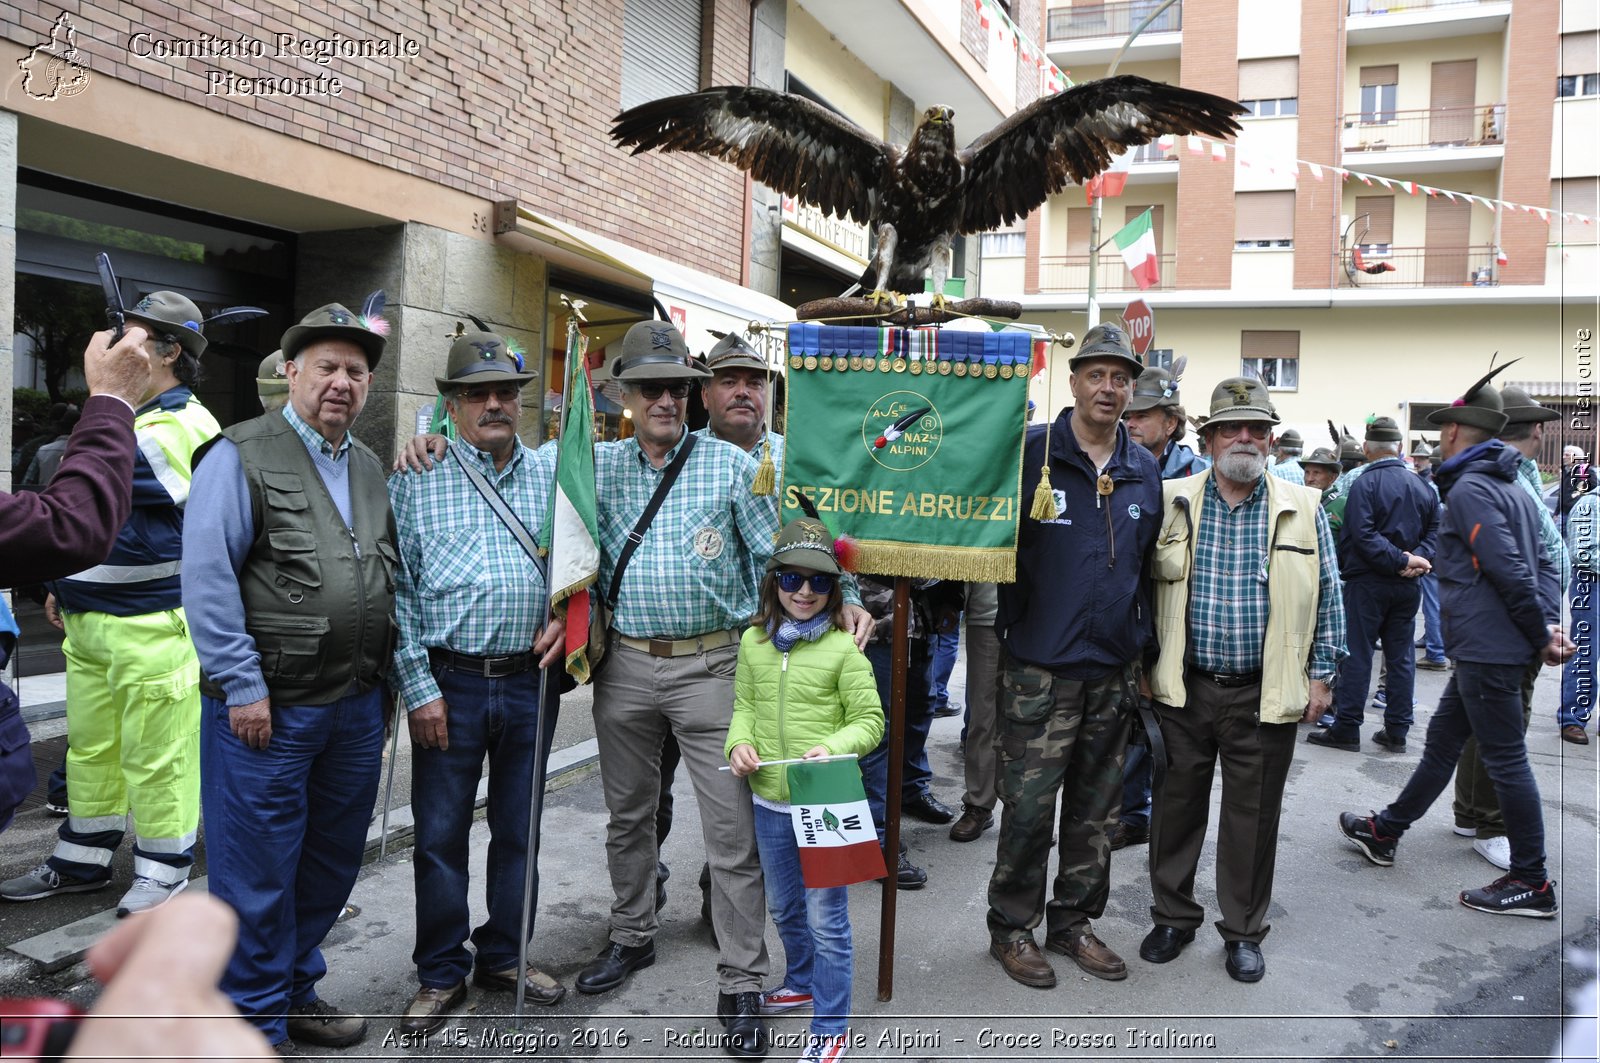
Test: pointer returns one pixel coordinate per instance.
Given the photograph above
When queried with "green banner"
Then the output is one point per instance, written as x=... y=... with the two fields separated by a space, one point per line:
x=909 y=441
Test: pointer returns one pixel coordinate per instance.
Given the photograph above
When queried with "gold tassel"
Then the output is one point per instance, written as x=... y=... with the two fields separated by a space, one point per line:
x=1044 y=505
x=766 y=480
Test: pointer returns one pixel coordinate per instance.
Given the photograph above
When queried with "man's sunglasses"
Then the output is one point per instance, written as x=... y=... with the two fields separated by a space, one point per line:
x=789 y=582
x=678 y=389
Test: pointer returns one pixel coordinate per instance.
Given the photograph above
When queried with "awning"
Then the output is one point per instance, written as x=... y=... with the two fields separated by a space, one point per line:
x=698 y=302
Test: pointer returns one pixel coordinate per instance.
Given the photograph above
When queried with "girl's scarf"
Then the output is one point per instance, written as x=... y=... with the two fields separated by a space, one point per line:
x=790 y=632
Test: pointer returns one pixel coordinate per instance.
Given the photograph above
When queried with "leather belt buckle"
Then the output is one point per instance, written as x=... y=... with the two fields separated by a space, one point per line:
x=663 y=647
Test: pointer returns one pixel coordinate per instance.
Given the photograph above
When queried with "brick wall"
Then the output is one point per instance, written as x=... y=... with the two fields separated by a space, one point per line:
x=1205 y=188
x=1534 y=42
x=504 y=101
x=1316 y=203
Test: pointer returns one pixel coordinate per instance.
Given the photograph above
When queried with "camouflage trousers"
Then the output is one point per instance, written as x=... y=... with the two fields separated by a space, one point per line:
x=1055 y=735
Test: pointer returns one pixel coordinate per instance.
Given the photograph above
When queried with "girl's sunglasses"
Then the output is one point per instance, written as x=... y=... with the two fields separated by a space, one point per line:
x=789 y=582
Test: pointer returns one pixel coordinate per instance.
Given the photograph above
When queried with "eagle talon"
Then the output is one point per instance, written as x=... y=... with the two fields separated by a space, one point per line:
x=939 y=303
x=883 y=300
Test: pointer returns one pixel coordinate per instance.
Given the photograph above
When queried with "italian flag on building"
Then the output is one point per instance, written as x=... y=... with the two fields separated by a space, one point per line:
x=832 y=824
x=1137 y=242
x=572 y=527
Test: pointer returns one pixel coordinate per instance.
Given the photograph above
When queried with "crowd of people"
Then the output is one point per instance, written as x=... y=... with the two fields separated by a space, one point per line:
x=245 y=602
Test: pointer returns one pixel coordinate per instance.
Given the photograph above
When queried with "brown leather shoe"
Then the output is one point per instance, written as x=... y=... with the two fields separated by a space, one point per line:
x=973 y=822
x=542 y=989
x=1024 y=962
x=1574 y=734
x=1092 y=954
x=428 y=1009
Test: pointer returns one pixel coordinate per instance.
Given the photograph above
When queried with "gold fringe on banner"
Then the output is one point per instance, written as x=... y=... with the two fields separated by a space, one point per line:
x=993 y=564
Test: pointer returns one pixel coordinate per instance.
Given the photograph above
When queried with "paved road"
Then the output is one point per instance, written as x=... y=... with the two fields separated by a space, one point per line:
x=1363 y=962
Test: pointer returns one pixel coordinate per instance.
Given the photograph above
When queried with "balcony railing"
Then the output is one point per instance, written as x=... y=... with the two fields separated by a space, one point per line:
x=1419 y=267
x=1070 y=273
x=1440 y=127
x=1154 y=152
x=1082 y=21
x=1395 y=7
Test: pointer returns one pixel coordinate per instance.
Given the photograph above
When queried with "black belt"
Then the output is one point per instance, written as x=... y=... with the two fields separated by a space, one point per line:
x=485 y=667
x=1227 y=679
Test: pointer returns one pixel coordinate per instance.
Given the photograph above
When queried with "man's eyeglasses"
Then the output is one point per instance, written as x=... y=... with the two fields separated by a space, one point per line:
x=651 y=390
x=1257 y=429
x=789 y=582
x=506 y=393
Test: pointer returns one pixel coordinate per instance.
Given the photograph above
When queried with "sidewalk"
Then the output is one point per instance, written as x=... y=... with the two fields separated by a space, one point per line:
x=1363 y=962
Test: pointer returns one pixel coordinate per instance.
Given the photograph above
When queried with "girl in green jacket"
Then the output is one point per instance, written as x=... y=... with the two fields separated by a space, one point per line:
x=804 y=690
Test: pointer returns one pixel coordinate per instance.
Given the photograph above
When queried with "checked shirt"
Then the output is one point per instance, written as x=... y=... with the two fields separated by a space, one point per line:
x=1549 y=534
x=1228 y=594
x=464 y=583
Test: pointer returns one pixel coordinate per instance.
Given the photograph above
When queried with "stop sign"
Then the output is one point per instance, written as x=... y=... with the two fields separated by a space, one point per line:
x=1141 y=325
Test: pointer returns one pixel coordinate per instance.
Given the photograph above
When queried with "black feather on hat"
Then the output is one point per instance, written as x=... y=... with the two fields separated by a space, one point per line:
x=1480 y=406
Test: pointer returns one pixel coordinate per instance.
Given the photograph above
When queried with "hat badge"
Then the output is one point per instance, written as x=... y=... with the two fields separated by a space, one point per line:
x=486 y=349
x=811 y=536
x=338 y=317
x=1241 y=394
x=1166 y=391
x=661 y=338
x=144 y=305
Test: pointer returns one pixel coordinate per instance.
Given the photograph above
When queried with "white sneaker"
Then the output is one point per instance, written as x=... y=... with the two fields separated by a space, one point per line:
x=147 y=893
x=821 y=1049
x=1495 y=850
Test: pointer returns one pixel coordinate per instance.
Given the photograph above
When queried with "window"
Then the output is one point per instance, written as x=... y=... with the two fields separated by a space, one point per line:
x=1580 y=59
x=1576 y=195
x=1271 y=356
x=1374 y=230
x=1263 y=220
x=1005 y=245
x=1379 y=85
x=1270 y=88
x=1159 y=358
x=661 y=48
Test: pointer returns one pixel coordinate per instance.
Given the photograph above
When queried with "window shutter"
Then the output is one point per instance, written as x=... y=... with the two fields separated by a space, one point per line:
x=1380 y=220
x=1263 y=215
x=660 y=49
x=1580 y=53
x=1269 y=344
x=1380 y=75
x=1269 y=79
x=1580 y=195
x=1078 y=223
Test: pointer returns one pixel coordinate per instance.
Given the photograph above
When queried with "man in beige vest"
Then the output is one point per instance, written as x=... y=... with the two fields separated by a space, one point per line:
x=1244 y=567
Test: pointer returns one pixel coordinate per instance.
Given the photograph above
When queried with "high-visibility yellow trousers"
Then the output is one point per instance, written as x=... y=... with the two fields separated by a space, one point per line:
x=133 y=726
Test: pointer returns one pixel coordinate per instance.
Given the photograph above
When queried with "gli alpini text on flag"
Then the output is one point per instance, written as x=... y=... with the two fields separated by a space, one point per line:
x=833 y=825
x=1137 y=243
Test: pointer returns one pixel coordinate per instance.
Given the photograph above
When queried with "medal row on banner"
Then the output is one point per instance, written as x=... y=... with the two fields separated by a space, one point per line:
x=916 y=367
x=945 y=352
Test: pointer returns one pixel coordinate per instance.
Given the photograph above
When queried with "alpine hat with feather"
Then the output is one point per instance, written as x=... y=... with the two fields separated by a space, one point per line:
x=1156 y=388
x=732 y=352
x=654 y=350
x=1523 y=408
x=484 y=358
x=367 y=330
x=176 y=319
x=1241 y=399
x=1479 y=406
x=1106 y=341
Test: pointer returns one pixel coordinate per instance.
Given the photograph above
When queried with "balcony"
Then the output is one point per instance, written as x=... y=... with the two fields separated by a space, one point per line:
x=1391 y=21
x=1070 y=273
x=1445 y=138
x=1420 y=267
x=1090 y=33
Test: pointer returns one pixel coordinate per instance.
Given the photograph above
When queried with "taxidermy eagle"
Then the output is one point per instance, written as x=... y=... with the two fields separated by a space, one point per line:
x=918 y=198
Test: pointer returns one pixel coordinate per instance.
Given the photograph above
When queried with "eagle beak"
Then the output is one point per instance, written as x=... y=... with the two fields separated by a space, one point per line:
x=947 y=114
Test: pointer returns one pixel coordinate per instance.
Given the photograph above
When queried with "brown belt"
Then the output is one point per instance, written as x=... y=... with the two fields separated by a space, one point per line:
x=679 y=647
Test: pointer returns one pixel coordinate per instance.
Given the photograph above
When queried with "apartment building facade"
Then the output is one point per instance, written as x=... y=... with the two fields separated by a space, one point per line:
x=1366 y=245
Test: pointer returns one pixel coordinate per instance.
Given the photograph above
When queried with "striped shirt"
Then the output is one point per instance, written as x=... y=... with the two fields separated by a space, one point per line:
x=464 y=582
x=689 y=575
x=1228 y=599
x=1289 y=470
x=1583 y=533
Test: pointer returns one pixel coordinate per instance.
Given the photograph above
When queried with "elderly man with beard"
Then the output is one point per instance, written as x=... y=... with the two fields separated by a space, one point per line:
x=1244 y=570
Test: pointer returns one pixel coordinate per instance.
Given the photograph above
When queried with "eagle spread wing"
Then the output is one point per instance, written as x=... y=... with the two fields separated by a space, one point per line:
x=1072 y=136
x=782 y=140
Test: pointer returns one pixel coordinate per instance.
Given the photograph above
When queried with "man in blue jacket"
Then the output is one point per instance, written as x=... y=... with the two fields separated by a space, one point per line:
x=1071 y=628
x=1501 y=607
x=1387 y=541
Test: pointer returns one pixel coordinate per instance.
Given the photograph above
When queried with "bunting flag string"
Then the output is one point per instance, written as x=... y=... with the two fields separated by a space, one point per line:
x=1219 y=150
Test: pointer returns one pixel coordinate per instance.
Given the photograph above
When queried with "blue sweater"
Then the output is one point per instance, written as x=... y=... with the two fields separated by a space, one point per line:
x=1389 y=512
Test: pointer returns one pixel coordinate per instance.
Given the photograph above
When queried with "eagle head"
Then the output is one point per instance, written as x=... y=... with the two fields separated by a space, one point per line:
x=939 y=113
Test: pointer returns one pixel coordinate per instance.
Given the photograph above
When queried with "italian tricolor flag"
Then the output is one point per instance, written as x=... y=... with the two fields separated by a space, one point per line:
x=572 y=528
x=1137 y=242
x=832 y=824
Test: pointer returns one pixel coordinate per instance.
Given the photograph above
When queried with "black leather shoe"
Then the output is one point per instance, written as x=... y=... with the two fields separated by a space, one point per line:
x=613 y=964
x=741 y=1014
x=1163 y=944
x=1333 y=739
x=1388 y=741
x=1245 y=962
x=926 y=807
x=1123 y=835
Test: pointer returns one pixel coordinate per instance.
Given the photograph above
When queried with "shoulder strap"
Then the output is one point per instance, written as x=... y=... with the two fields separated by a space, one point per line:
x=498 y=503
x=636 y=536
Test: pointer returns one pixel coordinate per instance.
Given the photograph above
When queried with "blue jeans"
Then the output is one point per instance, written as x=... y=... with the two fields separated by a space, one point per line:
x=1432 y=631
x=941 y=662
x=1377 y=611
x=919 y=717
x=814 y=926
x=285 y=828
x=498 y=718
x=1485 y=702
x=1137 y=779
x=1577 y=676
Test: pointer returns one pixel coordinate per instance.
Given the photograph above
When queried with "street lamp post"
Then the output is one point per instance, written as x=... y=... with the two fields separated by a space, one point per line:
x=1093 y=307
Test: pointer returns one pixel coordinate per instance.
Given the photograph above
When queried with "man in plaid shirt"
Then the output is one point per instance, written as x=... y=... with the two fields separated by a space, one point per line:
x=1244 y=567
x=470 y=604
